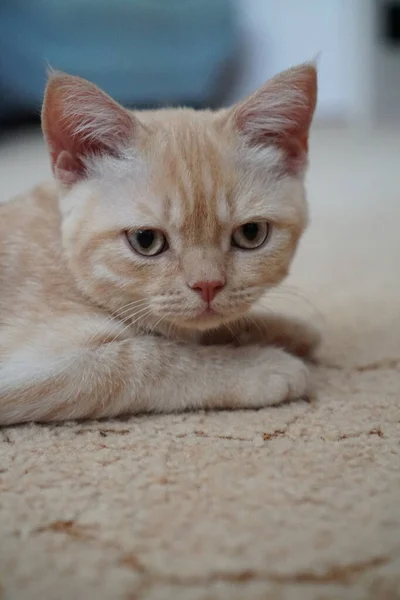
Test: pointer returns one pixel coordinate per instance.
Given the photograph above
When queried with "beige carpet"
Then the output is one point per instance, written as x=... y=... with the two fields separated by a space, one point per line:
x=296 y=502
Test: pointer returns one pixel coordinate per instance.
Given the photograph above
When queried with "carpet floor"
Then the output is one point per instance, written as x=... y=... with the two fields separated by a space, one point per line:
x=295 y=502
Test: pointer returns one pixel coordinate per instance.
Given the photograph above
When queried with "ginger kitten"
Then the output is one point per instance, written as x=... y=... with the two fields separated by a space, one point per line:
x=126 y=285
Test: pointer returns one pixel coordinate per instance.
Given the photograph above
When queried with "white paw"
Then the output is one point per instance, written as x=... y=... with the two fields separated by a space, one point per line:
x=291 y=383
x=279 y=377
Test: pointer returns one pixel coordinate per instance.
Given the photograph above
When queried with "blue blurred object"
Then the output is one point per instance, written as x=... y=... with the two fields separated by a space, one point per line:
x=142 y=52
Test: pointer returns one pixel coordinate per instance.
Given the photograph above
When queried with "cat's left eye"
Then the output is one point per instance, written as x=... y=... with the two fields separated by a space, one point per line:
x=147 y=242
x=250 y=236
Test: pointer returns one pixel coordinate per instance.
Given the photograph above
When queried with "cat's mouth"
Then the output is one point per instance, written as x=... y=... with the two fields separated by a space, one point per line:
x=206 y=316
x=201 y=319
x=209 y=314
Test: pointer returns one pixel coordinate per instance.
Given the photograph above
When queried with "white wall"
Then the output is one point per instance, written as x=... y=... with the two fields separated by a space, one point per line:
x=277 y=34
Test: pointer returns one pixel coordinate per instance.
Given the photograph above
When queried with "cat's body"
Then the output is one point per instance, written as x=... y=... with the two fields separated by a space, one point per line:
x=125 y=286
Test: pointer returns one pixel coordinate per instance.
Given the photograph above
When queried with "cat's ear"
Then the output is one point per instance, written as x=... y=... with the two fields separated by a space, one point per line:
x=79 y=121
x=280 y=113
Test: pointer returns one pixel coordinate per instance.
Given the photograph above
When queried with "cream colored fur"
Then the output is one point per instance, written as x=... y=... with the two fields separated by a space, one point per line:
x=89 y=328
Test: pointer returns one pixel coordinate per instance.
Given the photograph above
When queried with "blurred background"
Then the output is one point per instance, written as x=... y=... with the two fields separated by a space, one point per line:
x=202 y=52
x=149 y=53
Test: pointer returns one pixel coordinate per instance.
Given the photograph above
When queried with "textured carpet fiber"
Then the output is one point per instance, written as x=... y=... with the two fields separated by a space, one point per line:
x=295 y=502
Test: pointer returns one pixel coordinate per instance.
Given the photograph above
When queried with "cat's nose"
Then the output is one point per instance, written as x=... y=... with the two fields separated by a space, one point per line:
x=208 y=289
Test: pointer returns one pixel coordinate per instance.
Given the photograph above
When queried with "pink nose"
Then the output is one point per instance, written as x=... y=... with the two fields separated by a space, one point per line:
x=208 y=289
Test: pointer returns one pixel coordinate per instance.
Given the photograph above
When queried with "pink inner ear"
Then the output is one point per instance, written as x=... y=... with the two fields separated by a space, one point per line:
x=295 y=147
x=281 y=113
x=80 y=120
x=67 y=169
x=296 y=154
x=291 y=141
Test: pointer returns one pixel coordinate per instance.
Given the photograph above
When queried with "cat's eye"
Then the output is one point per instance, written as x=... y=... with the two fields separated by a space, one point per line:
x=147 y=242
x=250 y=236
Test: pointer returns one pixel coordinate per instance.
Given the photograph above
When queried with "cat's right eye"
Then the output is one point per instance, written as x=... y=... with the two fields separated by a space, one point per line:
x=251 y=236
x=147 y=242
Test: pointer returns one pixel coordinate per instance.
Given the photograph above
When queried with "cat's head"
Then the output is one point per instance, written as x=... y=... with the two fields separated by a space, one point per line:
x=185 y=216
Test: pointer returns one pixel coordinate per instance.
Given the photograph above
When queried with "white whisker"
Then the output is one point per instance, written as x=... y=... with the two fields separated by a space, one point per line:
x=129 y=323
x=113 y=318
x=288 y=293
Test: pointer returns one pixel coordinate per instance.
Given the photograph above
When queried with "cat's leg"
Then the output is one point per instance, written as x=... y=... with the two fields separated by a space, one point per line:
x=294 y=335
x=46 y=381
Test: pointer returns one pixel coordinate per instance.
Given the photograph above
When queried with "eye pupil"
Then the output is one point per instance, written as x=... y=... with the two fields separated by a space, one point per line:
x=147 y=242
x=145 y=238
x=251 y=235
x=250 y=231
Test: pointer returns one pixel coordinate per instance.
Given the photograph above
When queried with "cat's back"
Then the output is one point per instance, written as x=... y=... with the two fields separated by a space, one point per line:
x=31 y=263
x=38 y=204
x=29 y=224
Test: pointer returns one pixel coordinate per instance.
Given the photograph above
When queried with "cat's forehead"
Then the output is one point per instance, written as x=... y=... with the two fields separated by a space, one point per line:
x=189 y=176
x=191 y=170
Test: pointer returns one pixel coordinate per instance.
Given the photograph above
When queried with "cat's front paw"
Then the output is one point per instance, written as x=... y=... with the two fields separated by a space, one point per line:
x=274 y=378
x=289 y=379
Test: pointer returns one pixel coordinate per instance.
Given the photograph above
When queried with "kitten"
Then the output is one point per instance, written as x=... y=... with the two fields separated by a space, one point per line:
x=125 y=286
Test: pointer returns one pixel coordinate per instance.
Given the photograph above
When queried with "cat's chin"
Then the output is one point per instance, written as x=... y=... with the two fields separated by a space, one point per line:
x=206 y=320
x=200 y=323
